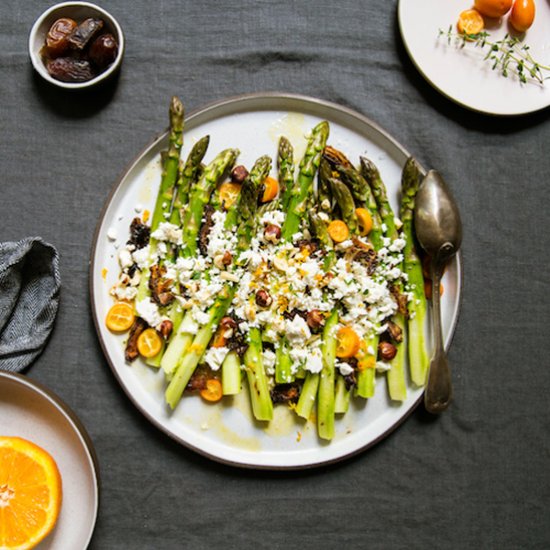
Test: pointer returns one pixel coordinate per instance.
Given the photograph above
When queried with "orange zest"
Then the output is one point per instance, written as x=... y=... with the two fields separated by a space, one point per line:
x=146 y=216
x=213 y=391
x=229 y=192
x=120 y=317
x=219 y=340
x=149 y=343
x=470 y=22
x=365 y=360
x=30 y=493
x=347 y=343
x=271 y=189
x=338 y=231
x=364 y=220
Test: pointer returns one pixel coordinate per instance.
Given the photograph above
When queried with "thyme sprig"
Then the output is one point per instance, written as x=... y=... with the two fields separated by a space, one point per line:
x=507 y=55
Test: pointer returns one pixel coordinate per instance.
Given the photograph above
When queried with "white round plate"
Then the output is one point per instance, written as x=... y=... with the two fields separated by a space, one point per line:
x=461 y=74
x=31 y=411
x=226 y=431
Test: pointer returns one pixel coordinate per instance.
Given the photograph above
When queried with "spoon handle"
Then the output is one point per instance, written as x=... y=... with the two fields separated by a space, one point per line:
x=438 y=391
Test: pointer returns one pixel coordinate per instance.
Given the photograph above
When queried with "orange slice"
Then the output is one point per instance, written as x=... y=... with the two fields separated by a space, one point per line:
x=120 y=317
x=338 y=231
x=30 y=493
x=347 y=343
x=213 y=391
x=149 y=343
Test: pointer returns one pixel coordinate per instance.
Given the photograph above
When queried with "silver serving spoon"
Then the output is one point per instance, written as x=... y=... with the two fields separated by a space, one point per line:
x=439 y=232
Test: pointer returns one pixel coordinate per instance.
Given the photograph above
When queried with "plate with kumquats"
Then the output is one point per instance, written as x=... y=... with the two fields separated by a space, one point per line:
x=49 y=478
x=491 y=56
x=220 y=312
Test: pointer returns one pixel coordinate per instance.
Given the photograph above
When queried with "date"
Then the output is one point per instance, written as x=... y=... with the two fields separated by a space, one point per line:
x=68 y=69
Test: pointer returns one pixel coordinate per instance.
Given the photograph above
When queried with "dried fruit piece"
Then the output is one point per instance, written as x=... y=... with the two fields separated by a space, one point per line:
x=120 y=317
x=57 y=38
x=68 y=69
x=103 y=50
x=84 y=33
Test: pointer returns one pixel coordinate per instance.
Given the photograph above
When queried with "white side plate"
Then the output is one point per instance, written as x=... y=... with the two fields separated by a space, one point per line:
x=226 y=431
x=31 y=411
x=461 y=74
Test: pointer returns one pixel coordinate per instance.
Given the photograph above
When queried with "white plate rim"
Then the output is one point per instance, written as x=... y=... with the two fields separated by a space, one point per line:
x=203 y=111
x=77 y=426
x=441 y=88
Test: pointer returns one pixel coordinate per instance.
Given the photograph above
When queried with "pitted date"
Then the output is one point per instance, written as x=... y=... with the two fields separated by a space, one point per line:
x=84 y=33
x=103 y=50
x=57 y=39
x=78 y=52
x=68 y=69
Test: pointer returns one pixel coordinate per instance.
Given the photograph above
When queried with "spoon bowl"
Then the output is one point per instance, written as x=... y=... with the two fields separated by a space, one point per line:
x=439 y=231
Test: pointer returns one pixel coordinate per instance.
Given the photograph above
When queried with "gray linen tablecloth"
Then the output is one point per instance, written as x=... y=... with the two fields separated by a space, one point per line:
x=478 y=476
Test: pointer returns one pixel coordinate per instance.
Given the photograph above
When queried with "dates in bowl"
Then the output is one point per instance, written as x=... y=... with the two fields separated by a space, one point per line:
x=76 y=52
x=76 y=44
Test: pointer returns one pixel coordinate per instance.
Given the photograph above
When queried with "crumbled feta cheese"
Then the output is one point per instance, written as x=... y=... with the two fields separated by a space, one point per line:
x=111 y=234
x=314 y=361
x=149 y=312
x=168 y=232
x=382 y=366
x=345 y=368
x=127 y=293
x=214 y=357
x=141 y=257
x=268 y=360
x=125 y=258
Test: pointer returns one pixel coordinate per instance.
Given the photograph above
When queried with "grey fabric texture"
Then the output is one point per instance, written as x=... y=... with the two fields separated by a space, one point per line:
x=29 y=297
x=475 y=477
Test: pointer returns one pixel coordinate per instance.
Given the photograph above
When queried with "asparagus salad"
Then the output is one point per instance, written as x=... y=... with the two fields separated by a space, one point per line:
x=292 y=281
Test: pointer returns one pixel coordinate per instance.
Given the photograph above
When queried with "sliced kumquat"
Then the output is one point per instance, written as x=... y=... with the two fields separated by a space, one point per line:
x=30 y=493
x=271 y=189
x=149 y=343
x=120 y=317
x=338 y=231
x=470 y=22
x=213 y=391
x=229 y=192
x=347 y=343
x=364 y=220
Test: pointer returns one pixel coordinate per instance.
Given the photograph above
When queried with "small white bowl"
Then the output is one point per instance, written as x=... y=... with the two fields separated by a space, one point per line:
x=79 y=11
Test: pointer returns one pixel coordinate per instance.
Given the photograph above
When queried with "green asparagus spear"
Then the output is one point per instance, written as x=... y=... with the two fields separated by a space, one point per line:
x=304 y=183
x=167 y=184
x=397 y=386
x=186 y=177
x=418 y=354
x=345 y=201
x=200 y=195
x=247 y=207
x=325 y=397
x=262 y=406
x=170 y=164
x=285 y=164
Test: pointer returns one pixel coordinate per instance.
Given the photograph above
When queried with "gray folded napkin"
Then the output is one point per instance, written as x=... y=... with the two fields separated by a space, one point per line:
x=29 y=296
